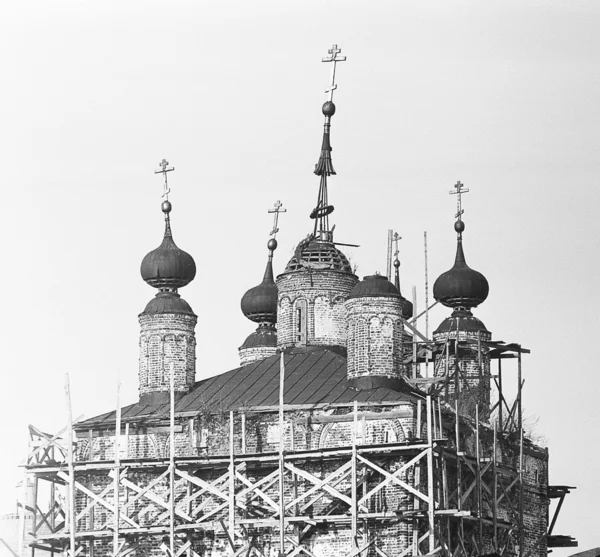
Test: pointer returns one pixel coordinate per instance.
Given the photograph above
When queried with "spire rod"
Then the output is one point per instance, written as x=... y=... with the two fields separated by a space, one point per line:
x=324 y=166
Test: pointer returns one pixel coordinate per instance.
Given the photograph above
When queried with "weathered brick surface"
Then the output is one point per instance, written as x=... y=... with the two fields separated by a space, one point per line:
x=376 y=341
x=255 y=353
x=324 y=292
x=167 y=339
x=474 y=379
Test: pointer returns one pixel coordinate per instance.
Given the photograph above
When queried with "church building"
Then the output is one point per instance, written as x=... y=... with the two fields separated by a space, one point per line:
x=328 y=440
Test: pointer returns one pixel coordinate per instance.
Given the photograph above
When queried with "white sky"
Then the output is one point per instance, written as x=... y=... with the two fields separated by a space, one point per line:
x=503 y=96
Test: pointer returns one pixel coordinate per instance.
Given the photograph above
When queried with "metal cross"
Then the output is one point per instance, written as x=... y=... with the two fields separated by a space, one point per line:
x=164 y=168
x=460 y=189
x=396 y=238
x=277 y=208
x=333 y=57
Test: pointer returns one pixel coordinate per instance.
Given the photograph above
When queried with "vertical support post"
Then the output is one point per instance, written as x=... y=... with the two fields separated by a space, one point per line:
x=117 y=468
x=281 y=458
x=354 y=509
x=172 y=459
x=243 y=432
x=495 y=490
x=71 y=467
x=191 y=427
x=459 y=473
x=430 y=492
x=231 y=479
x=500 y=396
x=414 y=347
x=389 y=254
x=478 y=480
x=521 y=532
x=426 y=306
x=447 y=370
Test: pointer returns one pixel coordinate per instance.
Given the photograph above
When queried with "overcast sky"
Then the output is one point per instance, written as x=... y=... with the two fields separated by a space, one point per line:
x=503 y=96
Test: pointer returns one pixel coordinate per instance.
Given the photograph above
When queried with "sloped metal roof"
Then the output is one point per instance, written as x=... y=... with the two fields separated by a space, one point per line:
x=314 y=375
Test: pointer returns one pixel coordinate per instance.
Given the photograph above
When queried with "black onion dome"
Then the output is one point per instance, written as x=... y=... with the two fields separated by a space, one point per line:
x=375 y=286
x=407 y=308
x=259 y=304
x=461 y=286
x=318 y=255
x=168 y=266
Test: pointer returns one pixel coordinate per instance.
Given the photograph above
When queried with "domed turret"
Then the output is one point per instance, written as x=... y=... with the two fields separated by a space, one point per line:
x=318 y=278
x=167 y=337
x=259 y=304
x=463 y=288
x=168 y=267
x=376 y=341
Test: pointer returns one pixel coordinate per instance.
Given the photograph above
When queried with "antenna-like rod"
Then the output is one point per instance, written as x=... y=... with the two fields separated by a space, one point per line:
x=389 y=254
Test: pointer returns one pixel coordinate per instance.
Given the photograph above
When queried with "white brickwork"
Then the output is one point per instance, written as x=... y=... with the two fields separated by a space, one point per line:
x=323 y=293
x=167 y=339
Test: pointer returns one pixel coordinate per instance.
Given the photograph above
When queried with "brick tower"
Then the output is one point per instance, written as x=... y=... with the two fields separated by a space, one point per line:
x=318 y=278
x=462 y=288
x=167 y=338
x=259 y=304
x=376 y=341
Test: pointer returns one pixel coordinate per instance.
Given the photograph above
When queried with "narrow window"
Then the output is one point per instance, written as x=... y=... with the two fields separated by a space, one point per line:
x=301 y=322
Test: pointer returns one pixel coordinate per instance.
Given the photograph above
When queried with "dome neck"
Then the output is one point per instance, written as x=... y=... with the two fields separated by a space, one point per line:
x=459 y=260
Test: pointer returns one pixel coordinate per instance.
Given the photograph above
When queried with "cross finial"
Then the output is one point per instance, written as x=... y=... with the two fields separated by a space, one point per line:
x=164 y=168
x=396 y=238
x=333 y=57
x=460 y=189
x=277 y=208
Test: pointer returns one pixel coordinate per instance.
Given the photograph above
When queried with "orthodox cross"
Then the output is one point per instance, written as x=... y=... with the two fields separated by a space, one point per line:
x=277 y=208
x=333 y=57
x=164 y=168
x=460 y=189
x=396 y=238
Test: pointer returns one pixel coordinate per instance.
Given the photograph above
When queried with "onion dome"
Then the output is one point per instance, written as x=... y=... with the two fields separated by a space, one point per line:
x=259 y=304
x=318 y=255
x=168 y=267
x=461 y=286
x=374 y=286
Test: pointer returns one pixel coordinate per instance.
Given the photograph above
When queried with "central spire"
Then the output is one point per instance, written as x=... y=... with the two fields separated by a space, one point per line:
x=324 y=166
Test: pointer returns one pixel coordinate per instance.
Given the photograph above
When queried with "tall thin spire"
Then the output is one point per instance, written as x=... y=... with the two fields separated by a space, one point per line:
x=324 y=166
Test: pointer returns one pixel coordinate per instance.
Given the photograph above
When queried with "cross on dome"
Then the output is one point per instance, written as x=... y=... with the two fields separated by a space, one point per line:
x=277 y=208
x=460 y=189
x=333 y=57
x=164 y=168
x=396 y=238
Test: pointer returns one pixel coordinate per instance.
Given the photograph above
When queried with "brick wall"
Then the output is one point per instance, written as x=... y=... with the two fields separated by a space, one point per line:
x=324 y=293
x=166 y=339
x=376 y=339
